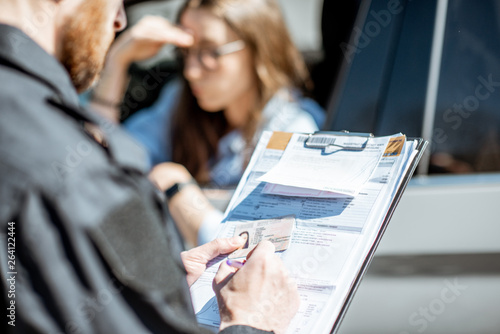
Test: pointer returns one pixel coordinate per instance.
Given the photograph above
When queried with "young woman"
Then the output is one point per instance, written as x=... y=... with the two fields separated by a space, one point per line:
x=241 y=75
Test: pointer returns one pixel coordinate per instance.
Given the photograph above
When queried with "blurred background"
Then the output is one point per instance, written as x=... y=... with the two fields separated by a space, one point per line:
x=426 y=68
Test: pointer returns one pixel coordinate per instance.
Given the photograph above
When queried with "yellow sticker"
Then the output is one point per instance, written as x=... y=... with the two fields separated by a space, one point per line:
x=395 y=146
x=279 y=140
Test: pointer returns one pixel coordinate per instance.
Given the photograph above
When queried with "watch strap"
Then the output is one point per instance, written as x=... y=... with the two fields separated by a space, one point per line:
x=177 y=187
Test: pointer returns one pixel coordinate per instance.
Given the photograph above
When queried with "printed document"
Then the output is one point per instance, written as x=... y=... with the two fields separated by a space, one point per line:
x=342 y=171
x=331 y=237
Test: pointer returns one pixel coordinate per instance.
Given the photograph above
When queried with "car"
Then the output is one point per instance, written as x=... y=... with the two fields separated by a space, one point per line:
x=426 y=68
x=430 y=69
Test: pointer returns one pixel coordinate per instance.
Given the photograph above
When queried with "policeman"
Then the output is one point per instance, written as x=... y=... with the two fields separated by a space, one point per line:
x=85 y=243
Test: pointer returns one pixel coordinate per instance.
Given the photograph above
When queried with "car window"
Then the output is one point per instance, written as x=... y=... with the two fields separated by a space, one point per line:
x=383 y=84
x=467 y=121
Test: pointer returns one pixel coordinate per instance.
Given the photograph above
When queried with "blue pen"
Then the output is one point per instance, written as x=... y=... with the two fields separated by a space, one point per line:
x=235 y=264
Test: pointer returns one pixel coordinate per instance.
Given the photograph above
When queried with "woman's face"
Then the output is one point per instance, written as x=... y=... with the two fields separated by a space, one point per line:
x=231 y=83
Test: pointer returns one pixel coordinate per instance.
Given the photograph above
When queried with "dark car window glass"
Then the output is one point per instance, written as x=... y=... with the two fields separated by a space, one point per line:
x=401 y=110
x=466 y=136
x=383 y=89
x=357 y=94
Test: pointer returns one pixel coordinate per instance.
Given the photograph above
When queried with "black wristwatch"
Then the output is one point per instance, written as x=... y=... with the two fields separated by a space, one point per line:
x=176 y=187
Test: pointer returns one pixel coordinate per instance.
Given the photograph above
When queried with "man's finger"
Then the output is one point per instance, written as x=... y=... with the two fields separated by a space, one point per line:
x=220 y=246
x=263 y=249
x=225 y=272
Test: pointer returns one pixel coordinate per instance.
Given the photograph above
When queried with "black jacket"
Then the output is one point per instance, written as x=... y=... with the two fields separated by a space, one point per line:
x=85 y=247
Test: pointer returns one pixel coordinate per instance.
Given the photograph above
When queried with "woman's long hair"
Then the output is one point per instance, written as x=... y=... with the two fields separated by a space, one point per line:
x=277 y=63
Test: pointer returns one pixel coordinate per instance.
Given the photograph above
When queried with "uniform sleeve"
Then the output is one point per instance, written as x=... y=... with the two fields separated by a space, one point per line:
x=49 y=294
x=63 y=284
x=56 y=285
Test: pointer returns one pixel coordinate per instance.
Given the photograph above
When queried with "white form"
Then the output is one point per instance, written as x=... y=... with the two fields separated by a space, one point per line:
x=327 y=247
x=341 y=171
x=332 y=309
x=278 y=189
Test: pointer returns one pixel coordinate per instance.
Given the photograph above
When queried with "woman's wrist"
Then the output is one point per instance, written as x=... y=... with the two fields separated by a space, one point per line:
x=107 y=96
x=166 y=174
x=117 y=57
x=177 y=187
x=102 y=101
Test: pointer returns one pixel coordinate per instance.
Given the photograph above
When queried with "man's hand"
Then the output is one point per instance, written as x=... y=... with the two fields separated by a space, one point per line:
x=195 y=260
x=260 y=294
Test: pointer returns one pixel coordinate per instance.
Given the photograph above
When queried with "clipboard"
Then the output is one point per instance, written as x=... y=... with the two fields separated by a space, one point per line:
x=322 y=143
x=420 y=147
x=250 y=202
x=323 y=139
x=317 y=140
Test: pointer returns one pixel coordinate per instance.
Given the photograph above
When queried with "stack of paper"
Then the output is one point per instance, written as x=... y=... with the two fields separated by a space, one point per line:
x=339 y=171
x=334 y=235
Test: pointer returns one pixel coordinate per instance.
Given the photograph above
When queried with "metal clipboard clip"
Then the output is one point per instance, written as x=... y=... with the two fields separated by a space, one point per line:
x=327 y=140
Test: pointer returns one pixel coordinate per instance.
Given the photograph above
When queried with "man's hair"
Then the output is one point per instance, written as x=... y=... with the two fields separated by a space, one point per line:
x=277 y=63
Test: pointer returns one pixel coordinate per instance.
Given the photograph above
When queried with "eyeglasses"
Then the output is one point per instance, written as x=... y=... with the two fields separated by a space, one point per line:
x=209 y=57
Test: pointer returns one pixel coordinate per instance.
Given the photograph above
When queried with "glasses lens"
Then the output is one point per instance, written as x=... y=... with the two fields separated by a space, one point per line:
x=208 y=58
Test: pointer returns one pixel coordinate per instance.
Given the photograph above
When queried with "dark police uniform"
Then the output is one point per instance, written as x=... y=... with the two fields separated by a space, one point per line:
x=89 y=249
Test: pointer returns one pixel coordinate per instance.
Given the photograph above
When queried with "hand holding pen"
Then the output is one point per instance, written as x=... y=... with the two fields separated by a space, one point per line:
x=235 y=263
x=243 y=287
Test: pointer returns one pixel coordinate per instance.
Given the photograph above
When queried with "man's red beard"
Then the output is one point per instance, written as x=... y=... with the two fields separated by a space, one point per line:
x=85 y=41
